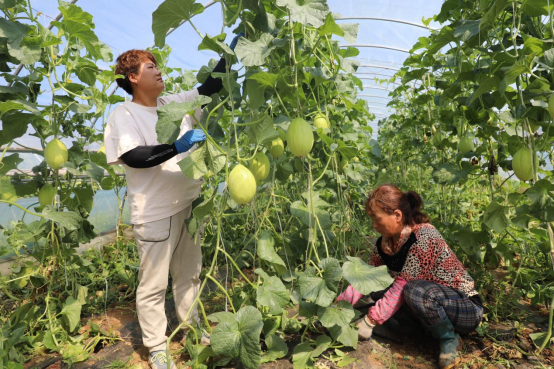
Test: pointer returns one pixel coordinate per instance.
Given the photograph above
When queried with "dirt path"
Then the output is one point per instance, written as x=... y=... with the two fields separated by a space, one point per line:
x=395 y=352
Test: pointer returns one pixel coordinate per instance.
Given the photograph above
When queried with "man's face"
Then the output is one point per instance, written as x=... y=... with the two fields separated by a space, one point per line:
x=149 y=79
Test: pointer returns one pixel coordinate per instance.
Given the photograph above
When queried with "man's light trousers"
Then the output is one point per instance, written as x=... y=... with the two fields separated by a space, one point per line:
x=165 y=247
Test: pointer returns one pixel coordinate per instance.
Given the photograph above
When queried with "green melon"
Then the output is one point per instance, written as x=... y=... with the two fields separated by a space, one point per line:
x=299 y=137
x=276 y=148
x=46 y=194
x=241 y=184
x=55 y=154
x=466 y=145
x=259 y=166
x=522 y=165
x=321 y=121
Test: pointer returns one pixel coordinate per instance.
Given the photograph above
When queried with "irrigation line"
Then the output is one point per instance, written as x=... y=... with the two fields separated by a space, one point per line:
x=50 y=26
x=376 y=96
x=375 y=74
x=378 y=88
x=371 y=79
x=377 y=47
x=380 y=104
x=375 y=66
x=376 y=107
x=389 y=20
x=381 y=61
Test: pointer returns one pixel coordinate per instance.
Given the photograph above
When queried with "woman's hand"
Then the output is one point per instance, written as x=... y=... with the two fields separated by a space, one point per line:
x=365 y=327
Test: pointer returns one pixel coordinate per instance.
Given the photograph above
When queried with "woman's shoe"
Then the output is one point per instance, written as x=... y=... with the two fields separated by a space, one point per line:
x=450 y=344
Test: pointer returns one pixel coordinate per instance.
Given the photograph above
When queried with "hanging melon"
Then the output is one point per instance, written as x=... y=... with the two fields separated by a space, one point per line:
x=55 y=154
x=241 y=184
x=276 y=148
x=466 y=145
x=259 y=166
x=299 y=137
x=522 y=165
x=46 y=194
x=321 y=121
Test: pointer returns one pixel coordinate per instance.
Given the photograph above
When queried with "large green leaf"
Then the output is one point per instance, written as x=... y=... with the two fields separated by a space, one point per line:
x=14 y=32
x=266 y=249
x=81 y=31
x=330 y=27
x=535 y=8
x=304 y=354
x=28 y=51
x=488 y=85
x=170 y=14
x=302 y=212
x=451 y=173
x=517 y=69
x=492 y=14
x=496 y=217
x=86 y=71
x=265 y=79
x=194 y=166
x=350 y=31
x=467 y=29
x=254 y=53
x=307 y=12
x=71 y=313
x=272 y=293
x=241 y=337
x=67 y=219
x=262 y=132
x=365 y=278
x=171 y=115
x=543 y=203
x=9 y=162
x=276 y=348
x=346 y=335
x=321 y=290
x=7 y=191
x=340 y=314
x=205 y=158
x=18 y=105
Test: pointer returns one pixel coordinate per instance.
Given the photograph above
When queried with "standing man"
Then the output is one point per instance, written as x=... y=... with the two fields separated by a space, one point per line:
x=160 y=195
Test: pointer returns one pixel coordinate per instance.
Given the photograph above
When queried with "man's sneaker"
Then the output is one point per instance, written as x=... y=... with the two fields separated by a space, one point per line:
x=159 y=360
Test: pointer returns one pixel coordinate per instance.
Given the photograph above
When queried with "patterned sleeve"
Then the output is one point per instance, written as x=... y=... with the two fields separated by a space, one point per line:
x=389 y=304
x=350 y=295
x=375 y=259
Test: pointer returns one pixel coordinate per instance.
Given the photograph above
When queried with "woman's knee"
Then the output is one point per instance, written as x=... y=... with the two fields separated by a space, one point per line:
x=416 y=290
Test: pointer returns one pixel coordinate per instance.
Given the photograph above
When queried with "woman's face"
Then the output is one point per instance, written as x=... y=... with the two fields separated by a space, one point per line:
x=388 y=225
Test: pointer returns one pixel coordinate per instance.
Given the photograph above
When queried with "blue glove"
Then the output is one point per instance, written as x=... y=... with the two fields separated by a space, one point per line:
x=235 y=40
x=189 y=139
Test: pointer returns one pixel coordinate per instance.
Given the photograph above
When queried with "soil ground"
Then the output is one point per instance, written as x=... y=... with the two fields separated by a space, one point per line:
x=505 y=345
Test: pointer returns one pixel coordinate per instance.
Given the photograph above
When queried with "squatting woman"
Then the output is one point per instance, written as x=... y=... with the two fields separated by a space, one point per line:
x=428 y=277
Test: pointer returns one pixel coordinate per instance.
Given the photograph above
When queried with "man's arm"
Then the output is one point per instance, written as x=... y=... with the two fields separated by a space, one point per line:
x=149 y=156
x=213 y=85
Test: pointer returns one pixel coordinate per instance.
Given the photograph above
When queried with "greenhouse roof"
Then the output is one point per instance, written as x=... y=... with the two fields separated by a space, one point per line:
x=387 y=31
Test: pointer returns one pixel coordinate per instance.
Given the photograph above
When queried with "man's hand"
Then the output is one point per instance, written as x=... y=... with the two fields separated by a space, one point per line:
x=189 y=139
x=365 y=327
x=235 y=40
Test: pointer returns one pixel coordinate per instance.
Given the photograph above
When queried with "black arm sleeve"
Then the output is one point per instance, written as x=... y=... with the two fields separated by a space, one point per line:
x=149 y=156
x=213 y=85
